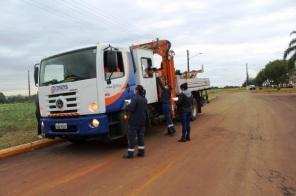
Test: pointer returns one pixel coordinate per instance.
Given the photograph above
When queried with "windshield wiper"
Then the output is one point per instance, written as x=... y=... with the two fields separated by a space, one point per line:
x=71 y=78
x=53 y=81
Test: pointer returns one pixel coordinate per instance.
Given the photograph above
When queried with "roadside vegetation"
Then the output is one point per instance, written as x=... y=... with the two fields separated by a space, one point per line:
x=278 y=73
x=213 y=92
x=275 y=90
x=17 y=124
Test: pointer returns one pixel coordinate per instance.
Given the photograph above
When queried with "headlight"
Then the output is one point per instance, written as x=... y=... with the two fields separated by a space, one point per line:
x=125 y=116
x=95 y=123
x=93 y=107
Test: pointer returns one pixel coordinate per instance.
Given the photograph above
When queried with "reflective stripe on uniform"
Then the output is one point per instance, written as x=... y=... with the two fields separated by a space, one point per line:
x=171 y=125
x=141 y=147
x=131 y=149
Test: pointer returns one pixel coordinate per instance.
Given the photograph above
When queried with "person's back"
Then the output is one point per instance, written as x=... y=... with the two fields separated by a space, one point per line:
x=137 y=111
x=185 y=102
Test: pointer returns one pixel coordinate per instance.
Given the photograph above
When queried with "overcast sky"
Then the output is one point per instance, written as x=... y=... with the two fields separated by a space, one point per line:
x=229 y=33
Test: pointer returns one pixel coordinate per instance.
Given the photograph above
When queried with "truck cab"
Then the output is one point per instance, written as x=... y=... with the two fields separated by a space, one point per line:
x=82 y=92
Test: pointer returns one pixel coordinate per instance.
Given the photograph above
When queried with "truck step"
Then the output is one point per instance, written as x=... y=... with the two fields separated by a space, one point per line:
x=114 y=123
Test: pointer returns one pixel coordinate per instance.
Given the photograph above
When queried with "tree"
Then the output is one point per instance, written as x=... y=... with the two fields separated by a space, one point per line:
x=2 y=98
x=277 y=72
x=260 y=78
x=291 y=51
x=274 y=73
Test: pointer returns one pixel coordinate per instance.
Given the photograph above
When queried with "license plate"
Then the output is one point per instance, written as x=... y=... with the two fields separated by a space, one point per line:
x=61 y=126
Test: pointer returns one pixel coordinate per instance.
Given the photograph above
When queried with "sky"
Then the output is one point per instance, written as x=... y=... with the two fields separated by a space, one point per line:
x=228 y=33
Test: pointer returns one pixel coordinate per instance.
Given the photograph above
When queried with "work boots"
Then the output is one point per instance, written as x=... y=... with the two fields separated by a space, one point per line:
x=171 y=131
x=188 y=138
x=141 y=153
x=129 y=155
x=182 y=139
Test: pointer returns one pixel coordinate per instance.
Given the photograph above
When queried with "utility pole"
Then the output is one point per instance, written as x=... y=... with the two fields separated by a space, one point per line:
x=29 y=83
x=247 y=75
x=188 y=68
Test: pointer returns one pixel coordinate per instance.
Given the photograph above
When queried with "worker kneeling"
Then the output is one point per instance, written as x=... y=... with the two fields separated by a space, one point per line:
x=136 y=123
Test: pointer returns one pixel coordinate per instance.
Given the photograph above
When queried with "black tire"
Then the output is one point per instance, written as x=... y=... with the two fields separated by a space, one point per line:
x=194 y=110
x=77 y=141
x=148 y=119
x=122 y=141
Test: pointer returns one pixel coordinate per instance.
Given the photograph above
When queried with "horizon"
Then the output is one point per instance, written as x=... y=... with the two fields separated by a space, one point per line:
x=252 y=32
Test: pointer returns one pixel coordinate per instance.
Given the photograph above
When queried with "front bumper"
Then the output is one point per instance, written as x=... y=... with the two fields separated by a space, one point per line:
x=76 y=127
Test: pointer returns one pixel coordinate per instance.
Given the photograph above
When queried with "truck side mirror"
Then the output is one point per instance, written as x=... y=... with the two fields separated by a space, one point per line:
x=111 y=60
x=36 y=71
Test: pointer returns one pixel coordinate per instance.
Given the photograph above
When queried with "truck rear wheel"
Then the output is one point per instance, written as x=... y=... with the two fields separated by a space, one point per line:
x=194 y=110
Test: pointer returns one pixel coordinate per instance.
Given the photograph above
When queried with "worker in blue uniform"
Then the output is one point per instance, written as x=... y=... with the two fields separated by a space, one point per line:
x=165 y=99
x=137 y=114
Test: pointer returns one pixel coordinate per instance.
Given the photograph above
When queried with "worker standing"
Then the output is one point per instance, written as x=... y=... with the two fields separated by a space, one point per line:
x=165 y=99
x=184 y=105
x=136 y=123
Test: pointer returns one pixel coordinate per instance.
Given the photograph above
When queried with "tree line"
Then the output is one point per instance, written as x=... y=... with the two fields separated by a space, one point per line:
x=15 y=99
x=278 y=72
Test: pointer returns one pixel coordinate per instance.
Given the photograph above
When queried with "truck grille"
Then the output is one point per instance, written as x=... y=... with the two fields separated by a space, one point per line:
x=68 y=103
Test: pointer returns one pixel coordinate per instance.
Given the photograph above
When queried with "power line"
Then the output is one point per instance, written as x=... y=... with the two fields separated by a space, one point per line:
x=100 y=14
x=72 y=7
x=56 y=13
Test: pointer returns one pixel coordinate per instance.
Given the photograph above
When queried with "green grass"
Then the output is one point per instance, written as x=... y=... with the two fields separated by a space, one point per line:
x=214 y=92
x=17 y=124
x=274 y=90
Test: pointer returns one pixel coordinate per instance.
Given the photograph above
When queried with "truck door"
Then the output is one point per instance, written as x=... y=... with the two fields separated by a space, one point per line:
x=116 y=81
x=100 y=79
x=144 y=62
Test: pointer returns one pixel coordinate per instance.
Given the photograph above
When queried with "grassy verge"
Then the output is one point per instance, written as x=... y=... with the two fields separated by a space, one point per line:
x=17 y=124
x=215 y=92
x=274 y=90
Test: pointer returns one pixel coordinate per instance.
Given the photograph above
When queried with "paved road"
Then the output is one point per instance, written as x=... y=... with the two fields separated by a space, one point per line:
x=243 y=144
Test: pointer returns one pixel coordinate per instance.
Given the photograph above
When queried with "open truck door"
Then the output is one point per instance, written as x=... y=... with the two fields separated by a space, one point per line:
x=144 y=75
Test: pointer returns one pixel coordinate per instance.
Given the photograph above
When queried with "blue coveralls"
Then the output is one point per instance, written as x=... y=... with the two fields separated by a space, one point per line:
x=136 y=124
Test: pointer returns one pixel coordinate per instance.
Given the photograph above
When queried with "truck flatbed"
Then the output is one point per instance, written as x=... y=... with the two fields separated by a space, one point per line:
x=194 y=84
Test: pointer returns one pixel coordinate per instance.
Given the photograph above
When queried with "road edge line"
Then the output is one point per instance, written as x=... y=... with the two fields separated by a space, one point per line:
x=23 y=148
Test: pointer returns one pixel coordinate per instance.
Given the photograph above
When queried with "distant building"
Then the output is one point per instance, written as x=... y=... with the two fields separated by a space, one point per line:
x=292 y=79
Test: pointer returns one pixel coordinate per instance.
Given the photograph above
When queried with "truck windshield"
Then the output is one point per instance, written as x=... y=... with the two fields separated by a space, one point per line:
x=69 y=67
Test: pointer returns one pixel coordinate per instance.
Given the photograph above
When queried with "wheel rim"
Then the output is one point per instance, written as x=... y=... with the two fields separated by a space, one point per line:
x=194 y=112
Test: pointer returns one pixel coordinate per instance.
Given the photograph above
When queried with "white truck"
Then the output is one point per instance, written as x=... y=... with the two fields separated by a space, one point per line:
x=82 y=93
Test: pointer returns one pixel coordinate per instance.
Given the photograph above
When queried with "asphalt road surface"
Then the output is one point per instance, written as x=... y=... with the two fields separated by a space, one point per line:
x=242 y=144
